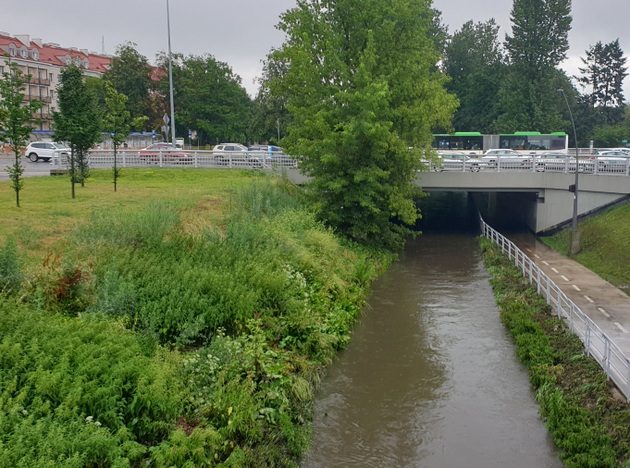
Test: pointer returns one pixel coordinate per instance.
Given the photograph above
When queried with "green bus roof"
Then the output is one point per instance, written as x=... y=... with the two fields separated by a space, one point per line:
x=467 y=134
x=527 y=133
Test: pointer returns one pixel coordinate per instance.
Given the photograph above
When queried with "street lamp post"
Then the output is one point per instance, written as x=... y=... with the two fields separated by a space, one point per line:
x=170 y=73
x=574 y=244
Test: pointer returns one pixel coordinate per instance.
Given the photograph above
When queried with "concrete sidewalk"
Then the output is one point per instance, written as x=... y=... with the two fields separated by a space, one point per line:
x=606 y=305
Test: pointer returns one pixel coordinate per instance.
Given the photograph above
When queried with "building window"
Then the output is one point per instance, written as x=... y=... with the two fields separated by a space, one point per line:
x=1 y=70
x=34 y=54
x=24 y=53
x=50 y=76
x=12 y=50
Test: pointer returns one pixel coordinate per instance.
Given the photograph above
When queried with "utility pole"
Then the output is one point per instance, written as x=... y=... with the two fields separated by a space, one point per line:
x=574 y=244
x=170 y=73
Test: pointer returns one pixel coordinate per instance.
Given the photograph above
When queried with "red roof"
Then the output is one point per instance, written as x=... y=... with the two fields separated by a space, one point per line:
x=54 y=54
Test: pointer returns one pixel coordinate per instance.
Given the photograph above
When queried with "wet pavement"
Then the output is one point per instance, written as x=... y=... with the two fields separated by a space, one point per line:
x=605 y=304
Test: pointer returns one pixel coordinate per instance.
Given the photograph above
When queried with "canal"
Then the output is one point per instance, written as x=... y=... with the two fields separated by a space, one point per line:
x=430 y=378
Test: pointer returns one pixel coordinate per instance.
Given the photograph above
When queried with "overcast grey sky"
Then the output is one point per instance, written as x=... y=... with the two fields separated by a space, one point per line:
x=241 y=32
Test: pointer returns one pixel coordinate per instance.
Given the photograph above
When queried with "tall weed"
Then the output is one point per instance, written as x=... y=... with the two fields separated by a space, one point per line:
x=10 y=268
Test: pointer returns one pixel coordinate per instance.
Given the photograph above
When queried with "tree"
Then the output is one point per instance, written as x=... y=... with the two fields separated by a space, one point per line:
x=270 y=116
x=209 y=97
x=362 y=87
x=77 y=122
x=603 y=74
x=474 y=62
x=538 y=44
x=130 y=73
x=15 y=118
x=116 y=121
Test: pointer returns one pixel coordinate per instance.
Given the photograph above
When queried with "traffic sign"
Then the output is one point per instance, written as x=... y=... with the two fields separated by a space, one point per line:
x=166 y=119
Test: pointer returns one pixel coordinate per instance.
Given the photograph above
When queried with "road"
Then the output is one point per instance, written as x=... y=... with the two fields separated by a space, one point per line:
x=40 y=168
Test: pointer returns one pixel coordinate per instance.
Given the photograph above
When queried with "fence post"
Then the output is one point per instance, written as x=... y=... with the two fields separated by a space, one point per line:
x=161 y=162
x=587 y=339
x=196 y=159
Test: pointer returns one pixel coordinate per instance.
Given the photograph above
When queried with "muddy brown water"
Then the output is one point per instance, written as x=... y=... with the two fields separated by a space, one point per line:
x=430 y=378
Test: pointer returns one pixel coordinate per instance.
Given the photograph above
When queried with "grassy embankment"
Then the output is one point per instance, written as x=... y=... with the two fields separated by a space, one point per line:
x=182 y=321
x=589 y=425
x=605 y=242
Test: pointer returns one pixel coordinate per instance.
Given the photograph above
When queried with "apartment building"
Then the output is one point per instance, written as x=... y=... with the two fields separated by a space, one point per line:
x=44 y=62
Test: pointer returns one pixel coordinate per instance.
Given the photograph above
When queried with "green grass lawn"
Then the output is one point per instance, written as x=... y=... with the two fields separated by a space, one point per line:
x=48 y=213
x=605 y=242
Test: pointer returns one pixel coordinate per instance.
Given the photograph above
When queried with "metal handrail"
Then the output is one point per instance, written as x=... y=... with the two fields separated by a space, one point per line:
x=596 y=342
x=182 y=158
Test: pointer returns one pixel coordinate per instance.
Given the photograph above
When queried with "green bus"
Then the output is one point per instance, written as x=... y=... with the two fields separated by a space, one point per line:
x=519 y=141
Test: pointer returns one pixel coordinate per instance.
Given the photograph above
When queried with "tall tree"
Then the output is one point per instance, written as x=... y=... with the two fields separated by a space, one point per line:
x=78 y=121
x=538 y=44
x=362 y=87
x=130 y=73
x=117 y=122
x=15 y=119
x=474 y=62
x=209 y=97
x=603 y=74
x=270 y=116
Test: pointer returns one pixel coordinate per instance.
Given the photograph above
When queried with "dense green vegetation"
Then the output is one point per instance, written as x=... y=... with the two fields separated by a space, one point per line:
x=155 y=335
x=588 y=423
x=605 y=242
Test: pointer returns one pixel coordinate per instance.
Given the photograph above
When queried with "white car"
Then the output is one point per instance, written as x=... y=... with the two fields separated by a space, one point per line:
x=45 y=150
x=459 y=162
x=229 y=148
x=612 y=161
x=507 y=158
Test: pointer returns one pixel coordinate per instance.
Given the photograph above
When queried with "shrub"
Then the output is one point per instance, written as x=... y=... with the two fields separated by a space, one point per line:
x=79 y=391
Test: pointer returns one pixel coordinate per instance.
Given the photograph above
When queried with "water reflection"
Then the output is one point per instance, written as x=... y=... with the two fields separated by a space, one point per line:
x=429 y=378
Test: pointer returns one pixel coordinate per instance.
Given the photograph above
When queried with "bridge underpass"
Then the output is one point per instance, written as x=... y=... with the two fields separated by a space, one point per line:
x=540 y=201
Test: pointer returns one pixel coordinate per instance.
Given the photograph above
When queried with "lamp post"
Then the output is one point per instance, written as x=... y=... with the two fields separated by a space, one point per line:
x=574 y=244
x=170 y=73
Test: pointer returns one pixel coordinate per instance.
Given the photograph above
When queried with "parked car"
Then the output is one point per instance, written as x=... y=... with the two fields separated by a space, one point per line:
x=612 y=161
x=266 y=149
x=460 y=162
x=558 y=161
x=229 y=148
x=167 y=151
x=507 y=158
x=45 y=150
x=625 y=150
x=237 y=155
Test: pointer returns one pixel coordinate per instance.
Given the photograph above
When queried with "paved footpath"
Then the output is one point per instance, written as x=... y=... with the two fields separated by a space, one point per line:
x=606 y=305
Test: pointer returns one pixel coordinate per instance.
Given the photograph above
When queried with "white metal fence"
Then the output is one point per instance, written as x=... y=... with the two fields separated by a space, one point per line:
x=591 y=164
x=201 y=159
x=596 y=343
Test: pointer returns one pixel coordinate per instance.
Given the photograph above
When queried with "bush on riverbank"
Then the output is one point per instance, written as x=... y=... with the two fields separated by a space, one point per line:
x=238 y=318
x=589 y=425
x=605 y=243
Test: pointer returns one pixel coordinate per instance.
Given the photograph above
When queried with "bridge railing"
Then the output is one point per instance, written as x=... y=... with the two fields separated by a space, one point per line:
x=207 y=159
x=587 y=164
x=596 y=342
